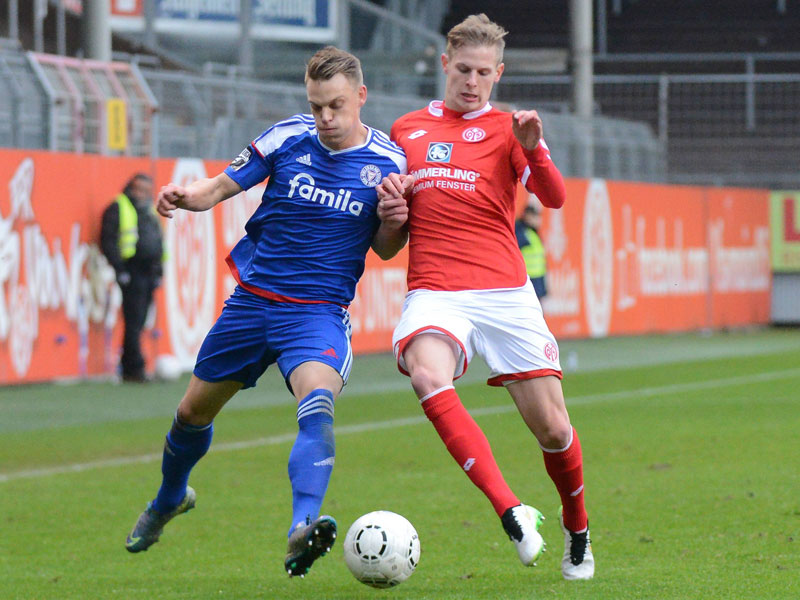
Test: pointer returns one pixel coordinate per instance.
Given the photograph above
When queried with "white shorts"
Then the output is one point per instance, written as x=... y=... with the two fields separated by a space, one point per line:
x=505 y=327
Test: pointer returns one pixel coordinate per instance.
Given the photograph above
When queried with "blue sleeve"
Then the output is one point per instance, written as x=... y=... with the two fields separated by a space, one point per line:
x=249 y=168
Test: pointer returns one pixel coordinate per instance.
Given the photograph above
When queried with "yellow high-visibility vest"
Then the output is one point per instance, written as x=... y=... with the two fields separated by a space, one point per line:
x=128 y=227
x=533 y=253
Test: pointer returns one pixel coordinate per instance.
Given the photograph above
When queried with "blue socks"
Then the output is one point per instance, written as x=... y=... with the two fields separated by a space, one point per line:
x=310 y=462
x=312 y=456
x=185 y=445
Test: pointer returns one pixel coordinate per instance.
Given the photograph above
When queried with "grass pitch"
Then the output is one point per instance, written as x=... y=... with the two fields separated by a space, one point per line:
x=691 y=483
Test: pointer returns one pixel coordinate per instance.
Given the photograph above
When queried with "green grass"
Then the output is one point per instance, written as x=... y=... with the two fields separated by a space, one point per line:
x=691 y=483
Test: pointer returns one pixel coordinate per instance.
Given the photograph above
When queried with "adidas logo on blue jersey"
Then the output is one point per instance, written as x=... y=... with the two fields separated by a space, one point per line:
x=304 y=160
x=306 y=187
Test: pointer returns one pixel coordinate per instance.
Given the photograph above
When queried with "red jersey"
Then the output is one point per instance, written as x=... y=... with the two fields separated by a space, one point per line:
x=461 y=214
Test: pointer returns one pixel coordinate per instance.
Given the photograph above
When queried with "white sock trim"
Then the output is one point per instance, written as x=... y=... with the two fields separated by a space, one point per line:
x=434 y=392
x=559 y=450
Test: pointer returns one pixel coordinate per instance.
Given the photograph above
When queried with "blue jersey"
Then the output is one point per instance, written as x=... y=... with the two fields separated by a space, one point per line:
x=308 y=239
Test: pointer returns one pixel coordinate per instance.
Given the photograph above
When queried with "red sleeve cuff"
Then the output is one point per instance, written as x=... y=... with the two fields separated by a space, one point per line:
x=538 y=155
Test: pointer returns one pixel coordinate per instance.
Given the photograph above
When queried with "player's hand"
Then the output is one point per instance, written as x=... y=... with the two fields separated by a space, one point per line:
x=393 y=210
x=396 y=185
x=170 y=197
x=527 y=128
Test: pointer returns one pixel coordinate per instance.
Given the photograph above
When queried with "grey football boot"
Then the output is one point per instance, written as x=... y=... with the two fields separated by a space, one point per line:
x=308 y=543
x=151 y=523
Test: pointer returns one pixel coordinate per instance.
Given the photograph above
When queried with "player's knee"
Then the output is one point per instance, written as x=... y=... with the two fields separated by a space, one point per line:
x=555 y=435
x=191 y=414
x=425 y=380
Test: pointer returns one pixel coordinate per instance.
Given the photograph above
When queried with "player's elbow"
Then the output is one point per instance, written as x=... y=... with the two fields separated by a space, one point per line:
x=384 y=253
x=553 y=196
x=387 y=251
x=387 y=246
x=556 y=201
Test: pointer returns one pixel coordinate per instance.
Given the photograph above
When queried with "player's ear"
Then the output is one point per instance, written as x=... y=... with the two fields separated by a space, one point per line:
x=362 y=95
x=500 y=68
x=445 y=60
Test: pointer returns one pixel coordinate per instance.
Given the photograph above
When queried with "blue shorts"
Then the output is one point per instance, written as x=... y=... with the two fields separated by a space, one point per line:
x=253 y=333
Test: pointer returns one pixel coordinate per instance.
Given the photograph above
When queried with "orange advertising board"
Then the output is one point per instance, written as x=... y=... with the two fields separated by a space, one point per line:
x=623 y=258
x=631 y=258
x=739 y=257
x=59 y=303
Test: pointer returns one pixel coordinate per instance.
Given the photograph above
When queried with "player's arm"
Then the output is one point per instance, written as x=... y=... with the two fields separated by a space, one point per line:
x=109 y=237
x=198 y=196
x=545 y=179
x=392 y=235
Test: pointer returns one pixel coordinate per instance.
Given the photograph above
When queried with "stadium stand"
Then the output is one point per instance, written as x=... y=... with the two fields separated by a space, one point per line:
x=208 y=111
x=717 y=81
x=23 y=104
x=686 y=92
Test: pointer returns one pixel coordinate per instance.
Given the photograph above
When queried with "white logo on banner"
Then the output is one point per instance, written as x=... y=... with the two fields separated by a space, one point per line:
x=598 y=257
x=191 y=270
x=43 y=272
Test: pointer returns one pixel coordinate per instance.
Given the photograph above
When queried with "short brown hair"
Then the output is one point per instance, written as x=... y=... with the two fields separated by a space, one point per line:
x=477 y=30
x=329 y=61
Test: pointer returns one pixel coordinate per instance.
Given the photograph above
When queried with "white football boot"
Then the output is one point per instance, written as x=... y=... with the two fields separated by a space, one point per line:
x=578 y=560
x=521 y=524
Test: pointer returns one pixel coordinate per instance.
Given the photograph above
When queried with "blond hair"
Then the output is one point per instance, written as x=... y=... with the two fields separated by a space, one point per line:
x=329 y=61
x=476 y=30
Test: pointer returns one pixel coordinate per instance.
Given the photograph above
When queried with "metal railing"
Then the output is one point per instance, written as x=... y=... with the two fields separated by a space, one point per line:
x=24 y=110
x=214 y=116
x=739 y=129
x=78 y=92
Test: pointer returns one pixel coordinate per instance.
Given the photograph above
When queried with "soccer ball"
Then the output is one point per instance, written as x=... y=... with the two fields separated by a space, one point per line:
x=168 y=367
x=381 y=549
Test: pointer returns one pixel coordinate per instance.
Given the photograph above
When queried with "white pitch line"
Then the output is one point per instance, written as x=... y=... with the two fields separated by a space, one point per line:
x=283 y=438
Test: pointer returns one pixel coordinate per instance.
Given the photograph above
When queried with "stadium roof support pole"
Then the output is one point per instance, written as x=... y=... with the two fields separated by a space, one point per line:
x=13 y=19
x=602 y=27
x=39 y=15
x=245 y=41
x=580 y=12
x=61 y=29
x=343 y=24
x=96 y=21
x=581 y=50
x=149 y=11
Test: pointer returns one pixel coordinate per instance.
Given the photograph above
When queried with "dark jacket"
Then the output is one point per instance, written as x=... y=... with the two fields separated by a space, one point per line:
x=149 y=247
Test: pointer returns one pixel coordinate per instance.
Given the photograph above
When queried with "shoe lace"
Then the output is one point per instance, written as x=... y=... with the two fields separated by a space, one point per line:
x=577 y=547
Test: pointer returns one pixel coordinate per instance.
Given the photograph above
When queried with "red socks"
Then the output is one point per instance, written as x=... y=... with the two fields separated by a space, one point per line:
x=468 y=445
x=565 y=468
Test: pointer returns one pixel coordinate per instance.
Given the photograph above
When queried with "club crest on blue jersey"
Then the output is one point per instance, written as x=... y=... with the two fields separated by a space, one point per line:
x=439 y=152
x=306 y=188
x=370 y=175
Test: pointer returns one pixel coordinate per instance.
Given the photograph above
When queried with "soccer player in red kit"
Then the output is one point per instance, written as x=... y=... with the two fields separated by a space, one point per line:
x=468 y=289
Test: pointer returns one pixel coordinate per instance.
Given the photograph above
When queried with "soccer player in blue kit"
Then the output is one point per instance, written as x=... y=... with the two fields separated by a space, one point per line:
x=296 y=269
